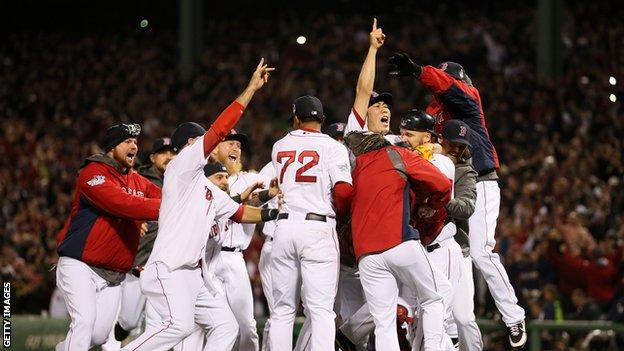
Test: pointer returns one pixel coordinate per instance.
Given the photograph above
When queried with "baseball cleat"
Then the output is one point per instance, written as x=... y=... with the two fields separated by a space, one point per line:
x=343 y=343
x=120 y=333
x=517 y=335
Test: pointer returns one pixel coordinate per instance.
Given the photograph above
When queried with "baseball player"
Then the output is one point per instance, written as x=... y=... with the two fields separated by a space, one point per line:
x=268 y=171
x=456 y=145
x=176 y=281
x=132 y=300
x=386 y=246
x=455 y=97
x=99 y=240
x=233 y=270
x=217 y=173
x=312 y=169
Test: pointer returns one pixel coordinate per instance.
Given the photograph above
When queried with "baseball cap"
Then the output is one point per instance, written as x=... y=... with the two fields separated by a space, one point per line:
x=385 y=97
x=457 y=132
x=335 y=130
x=454 y=69
x=116 y=134
x=308 y=107
x=241 y=138
x=182 y=134
x=162 y=144
x=213 y=167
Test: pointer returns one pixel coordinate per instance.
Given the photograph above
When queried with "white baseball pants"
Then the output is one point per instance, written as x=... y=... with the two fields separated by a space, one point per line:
x=267 y=286
x=182 y=300
x=482 y=229
x=91 y=301
x=447 y=258
x=132 y=303
x=406 y=263
x=305 y=253
x=233 y=273
x=463 y=310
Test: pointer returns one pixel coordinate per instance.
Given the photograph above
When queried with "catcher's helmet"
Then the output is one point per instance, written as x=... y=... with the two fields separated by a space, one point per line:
x=418 y=120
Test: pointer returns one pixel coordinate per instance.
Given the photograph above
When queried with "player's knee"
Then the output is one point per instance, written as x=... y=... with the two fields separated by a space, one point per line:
x=83 y=324
x=99 y=338
x=181 y=327
x=463 y=319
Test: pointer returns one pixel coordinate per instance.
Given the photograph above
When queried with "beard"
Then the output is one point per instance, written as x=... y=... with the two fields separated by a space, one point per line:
x=233 y=167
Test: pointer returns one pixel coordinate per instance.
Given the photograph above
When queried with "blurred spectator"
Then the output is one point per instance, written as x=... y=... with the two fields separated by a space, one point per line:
x=585 y=309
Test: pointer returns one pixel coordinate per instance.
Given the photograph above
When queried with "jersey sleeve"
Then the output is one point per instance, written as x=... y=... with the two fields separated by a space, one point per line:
x=188 y=162
x=268 y=170
x=222 y=126
x=111 y=198
x=355 y=123
x=435 y=80
x=225 y=207
x=339 y=165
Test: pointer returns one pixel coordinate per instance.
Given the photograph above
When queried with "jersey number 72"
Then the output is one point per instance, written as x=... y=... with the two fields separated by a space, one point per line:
x=290 y=156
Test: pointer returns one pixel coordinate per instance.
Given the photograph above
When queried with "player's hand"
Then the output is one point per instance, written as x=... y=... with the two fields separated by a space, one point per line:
x=280 y=200
x=260 y=76
x=143 y=229
x=249 y=191
x=273 y=188
x=400 y=64
x=377 y=37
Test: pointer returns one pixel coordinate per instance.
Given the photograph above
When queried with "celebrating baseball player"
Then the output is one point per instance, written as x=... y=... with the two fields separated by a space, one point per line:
x=233 y=270
x=313 y=169
x=98 y=243
x=172 y=279
x=455 y=97
x=132 y=300
x=385 y=180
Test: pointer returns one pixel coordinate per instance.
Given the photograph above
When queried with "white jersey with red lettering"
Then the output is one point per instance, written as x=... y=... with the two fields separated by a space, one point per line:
x=240 y=235
x=190 y=205
x=355 y=123
x=308 y=164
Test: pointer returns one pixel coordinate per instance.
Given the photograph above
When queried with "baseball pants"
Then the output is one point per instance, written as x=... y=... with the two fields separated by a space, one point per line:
x=92 y=303
x=482 y=242
x=181 y=300
x=447 y=258
x=408 y=264
x=233 y=273
x=305 y=253
x=132 y=303
x=463 y=310
x=349 y=301
x=267 y=286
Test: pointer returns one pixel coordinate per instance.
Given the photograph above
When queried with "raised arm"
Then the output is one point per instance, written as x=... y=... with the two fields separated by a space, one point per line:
x=231 y=115
x=366 y=79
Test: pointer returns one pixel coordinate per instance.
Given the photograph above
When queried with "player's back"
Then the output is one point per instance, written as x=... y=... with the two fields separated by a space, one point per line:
x=308 y=164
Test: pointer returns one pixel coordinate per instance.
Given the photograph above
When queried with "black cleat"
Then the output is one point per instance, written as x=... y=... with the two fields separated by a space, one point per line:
x=120 y=333
x=343 y=343
x=455 y=343
x=517 y=335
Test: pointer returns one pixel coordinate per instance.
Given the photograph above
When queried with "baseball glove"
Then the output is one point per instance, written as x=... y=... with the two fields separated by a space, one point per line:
x=363 y=142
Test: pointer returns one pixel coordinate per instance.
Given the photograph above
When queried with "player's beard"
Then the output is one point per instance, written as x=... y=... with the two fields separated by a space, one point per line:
x=234 y=167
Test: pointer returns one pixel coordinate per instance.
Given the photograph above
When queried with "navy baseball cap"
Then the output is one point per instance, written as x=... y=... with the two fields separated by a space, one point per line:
x=241 y=138
x=308 y=107
x=162 y=144
x=457 y=132
x=213 y=167
x=335 y=130
x=385 y=97
x=185 y=131
x=454 y=69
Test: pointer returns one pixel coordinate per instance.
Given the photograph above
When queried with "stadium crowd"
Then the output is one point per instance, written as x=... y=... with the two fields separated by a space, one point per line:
x=561 y=227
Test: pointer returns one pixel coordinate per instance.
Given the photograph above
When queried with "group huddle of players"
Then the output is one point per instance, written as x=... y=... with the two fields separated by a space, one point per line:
x=374 y=234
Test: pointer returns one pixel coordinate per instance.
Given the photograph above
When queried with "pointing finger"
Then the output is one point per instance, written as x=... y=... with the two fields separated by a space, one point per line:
x=374 y=23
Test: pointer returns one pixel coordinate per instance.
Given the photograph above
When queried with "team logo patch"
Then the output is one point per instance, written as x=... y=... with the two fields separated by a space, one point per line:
x=340 y=128
x=344 y=168
x=462 y=131
x=97 y=180
x=443 y=66
x=208 y=194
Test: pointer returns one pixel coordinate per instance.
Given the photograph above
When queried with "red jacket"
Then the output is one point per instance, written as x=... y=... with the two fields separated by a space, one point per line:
x=454 y=99
x=381 y=206
x=108 y=208
x=429 y=228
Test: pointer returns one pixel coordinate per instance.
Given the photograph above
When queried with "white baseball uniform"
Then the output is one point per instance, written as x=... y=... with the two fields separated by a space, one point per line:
x=305 y=248
x=233 y=271
x=482 y=242
x=265 y=259
x=182 y=292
